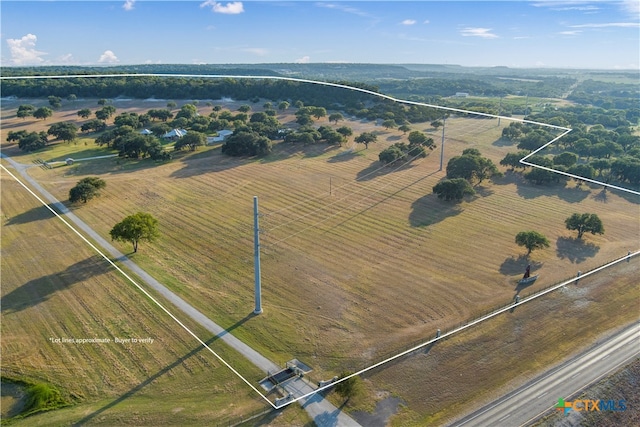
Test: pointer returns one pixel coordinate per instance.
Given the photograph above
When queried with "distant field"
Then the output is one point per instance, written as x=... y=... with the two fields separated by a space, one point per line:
x=358 y=261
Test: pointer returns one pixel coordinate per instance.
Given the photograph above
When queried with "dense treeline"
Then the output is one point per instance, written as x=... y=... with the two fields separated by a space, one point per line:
x=183 y=88
x=606 y=95
x=491 y=86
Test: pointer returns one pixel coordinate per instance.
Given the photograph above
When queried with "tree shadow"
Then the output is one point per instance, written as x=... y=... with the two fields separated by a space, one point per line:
x=504 y=142
x=575 y=250
x=393 y=138
x=629 y=197
x=207 y=161
x=377 y=169
x=318 y=149
x=38 y=213
x=517 y=265
x=429 y=210
x=573 y=195
x=111 y=165
x=529 y=191
x=482 y=191
x=344 y=156
x=39 y=290
x=602 y=196
x=161 y=372
x=382 y=201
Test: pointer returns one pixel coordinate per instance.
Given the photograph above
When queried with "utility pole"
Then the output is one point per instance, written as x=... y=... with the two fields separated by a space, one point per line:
x=444 y=122
x=500 y=111
x=256 y=253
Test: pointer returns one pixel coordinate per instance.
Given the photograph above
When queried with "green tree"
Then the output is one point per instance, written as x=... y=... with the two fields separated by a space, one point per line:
x=335 y=117
x=94 y=125
x=105 y=112
x=246 y=143
x=404 y=128
x=565 y=159
x=464 y=166
x=366 y=138
x=86 y=189
x=539 y=176
x=350 y=387
x=513 y=159
x=283 y=106
x=453 y=189
x=85 y=113
x=15 y=135
x=345 y=131
x=55 y=101
x=389 y=124
x=25 y=111
x=43 y=113
x=32 y=141
x=319 y=112
x=392 y=154
x=585 y=222
x=65 y=131
x=600 y=165
x=531 y=240
x=191 y=140
x=136 y=228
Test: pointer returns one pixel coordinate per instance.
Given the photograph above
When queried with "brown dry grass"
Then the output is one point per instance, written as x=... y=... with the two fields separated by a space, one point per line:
x=53 y=286
x=364 y=271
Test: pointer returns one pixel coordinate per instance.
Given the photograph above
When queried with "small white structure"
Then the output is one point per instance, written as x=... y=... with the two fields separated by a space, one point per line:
x=222 y=135
x=461 y=95
x=175 y=134
x=146 y=132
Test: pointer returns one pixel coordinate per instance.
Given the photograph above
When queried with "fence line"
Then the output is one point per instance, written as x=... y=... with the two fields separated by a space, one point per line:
x=497 y=309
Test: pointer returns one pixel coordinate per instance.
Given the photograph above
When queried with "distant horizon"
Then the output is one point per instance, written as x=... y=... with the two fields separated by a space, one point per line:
x=557 y=34
x=626 y=70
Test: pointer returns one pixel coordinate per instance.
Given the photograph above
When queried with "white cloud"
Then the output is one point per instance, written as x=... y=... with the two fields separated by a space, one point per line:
x=128 y=5
x=570 y=33
x=23 y=51
x=609 y=24
x=304 y=60
x=232 y=8
x=256 y=51
x=66 y=59
x=426 y=21
x=484 y=33
x=408 y=22
x=343 y=8
x=108 y=57
x=632 y=7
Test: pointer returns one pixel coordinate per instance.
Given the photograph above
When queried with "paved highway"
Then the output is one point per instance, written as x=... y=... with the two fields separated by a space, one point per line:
x=530 y=401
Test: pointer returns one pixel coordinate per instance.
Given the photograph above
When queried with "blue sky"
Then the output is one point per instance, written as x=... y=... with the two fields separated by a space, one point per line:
x=525 y=34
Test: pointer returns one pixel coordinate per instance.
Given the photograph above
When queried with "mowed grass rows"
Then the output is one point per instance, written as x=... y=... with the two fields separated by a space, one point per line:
x=54 y=287
x=347 y=276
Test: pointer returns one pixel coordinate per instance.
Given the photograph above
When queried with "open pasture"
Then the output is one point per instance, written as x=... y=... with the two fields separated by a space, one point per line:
x=357 y=260
x=56 y=290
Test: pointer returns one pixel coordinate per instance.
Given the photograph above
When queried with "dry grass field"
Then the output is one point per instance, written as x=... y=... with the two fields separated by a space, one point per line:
x=358 y=260
x=55 y=288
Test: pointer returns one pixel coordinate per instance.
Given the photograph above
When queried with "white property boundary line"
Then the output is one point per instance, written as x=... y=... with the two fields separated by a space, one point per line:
x=136 y=284
x=380 y=95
